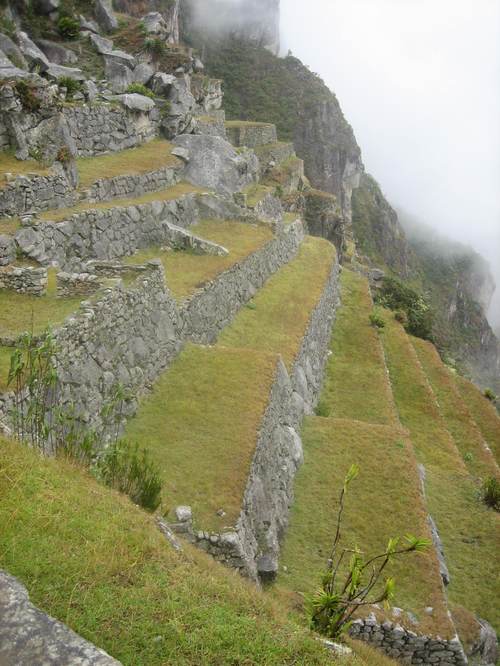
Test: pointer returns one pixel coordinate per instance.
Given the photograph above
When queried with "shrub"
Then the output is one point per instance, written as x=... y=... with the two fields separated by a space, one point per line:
x=140 y=89
x=63 y=155
x=376 y=320
x=123 y=467
x=155 y=47
x=72 y=86
x=401 y=317
x=488 y=393
x=397 y=296
x=342 y=593
x=68 y=27
x=322 y=409
x=490 y=493
x=28 y=96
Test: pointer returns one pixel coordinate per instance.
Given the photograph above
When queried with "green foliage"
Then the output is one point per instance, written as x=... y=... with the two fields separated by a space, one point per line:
x=72 y=86
x=68 y=28
x=322 y=409
x=140 y=89
x=490 y=493
x=490 y=395
x=27 y=94
x=7 y=26
x=156 y=47
x=341 y=594
x=401 y=317
x=127 y=469
x=396 y=295
x=376 y=320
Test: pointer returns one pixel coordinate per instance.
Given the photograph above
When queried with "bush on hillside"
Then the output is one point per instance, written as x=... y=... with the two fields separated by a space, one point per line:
x=333 y=605
x=68 y=28
x=490 y=493
x=72 y=86
x=397 y=296
x=376 y=320
x=140 y=89
x=490 y=395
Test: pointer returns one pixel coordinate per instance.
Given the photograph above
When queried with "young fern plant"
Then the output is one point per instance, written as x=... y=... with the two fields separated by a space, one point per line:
x=332 y=607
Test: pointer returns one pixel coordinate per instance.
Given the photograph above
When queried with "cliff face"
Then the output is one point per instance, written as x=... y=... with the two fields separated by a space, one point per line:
x=259 y=86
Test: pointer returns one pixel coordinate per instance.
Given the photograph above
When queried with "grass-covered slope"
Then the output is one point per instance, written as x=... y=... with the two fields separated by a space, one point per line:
x=386 y=500
x=469 y=530
x=96 y=562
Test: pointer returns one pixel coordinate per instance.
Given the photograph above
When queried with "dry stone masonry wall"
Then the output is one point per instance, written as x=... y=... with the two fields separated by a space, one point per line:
x=28 y=194
x=24 y=280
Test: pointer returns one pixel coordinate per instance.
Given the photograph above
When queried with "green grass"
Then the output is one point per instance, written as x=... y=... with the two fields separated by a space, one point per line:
x=187 y=271
x=5 y=354
x=468 y=529
x=10 y=164
x=356 y=383
x=23 y=312
x=9 y=225
x=255 y=194
x=174 y=192
x=98 y=563
x=280 y=312
x=148 y=157
x=290 y=218
x=484 y=413
x=201 y=423
x=385 y=501
x=458 y=419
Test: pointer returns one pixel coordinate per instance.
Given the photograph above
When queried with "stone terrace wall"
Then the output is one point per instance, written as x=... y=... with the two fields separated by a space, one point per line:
x=251 y=135
x=212 y=308
x=102 y=128
x=104 y=233
x=29 y=194
x=24 y=280
x=132 y=185
x=408 y=647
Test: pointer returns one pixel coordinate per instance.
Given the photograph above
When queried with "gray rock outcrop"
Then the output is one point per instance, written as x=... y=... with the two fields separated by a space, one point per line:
x=214 y=163
x=29 y=637
x=105 y=16
x=56 y=53
x=36 y=59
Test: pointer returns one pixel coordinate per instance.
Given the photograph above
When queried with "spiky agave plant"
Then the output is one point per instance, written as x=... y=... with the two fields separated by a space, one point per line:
x=341 y=594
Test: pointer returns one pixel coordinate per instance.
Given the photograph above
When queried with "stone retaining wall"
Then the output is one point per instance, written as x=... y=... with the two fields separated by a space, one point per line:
x=24 y=280
x=29 y=194
x=251 y=135
x=132 y=185
x=213 y=307
x=104 y=233
x=408 y=647
x=71 y=285
x=102 y=128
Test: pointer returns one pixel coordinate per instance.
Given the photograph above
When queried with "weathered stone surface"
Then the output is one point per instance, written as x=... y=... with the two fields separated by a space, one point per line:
x=214 y=163
x=154 y=24
x=181 y=239
x=7 y=250
x=56 y=72
x=48 y=6
x=161 y=83
x=70 y=285
x=136 y=102
x=35 y=58
x=56 y=53
x=484 y=651
x=118 y=75
x=104 y=15
x=28 y=636
x=12 y=51
x=182 y=107
x=101 y=44
x=251 y=135
x=120 y=57
x=88 y=24
x=438 y=546
x=143 y=73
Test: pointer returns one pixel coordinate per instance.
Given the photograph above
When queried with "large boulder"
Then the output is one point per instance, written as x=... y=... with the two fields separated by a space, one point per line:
x=161 y=84
x=143 y=73
x=7 y=69
x=104 y=15
x=136 y=102
x=180 y=118
x=36 y=59
x=102 y=45
x=48 y=6
x=121 y=58
x=56 y=72
x=88 y=25
x=154 y=24
x=118 y=76
x=57 y=53
x=215 y=164
x=12 y=51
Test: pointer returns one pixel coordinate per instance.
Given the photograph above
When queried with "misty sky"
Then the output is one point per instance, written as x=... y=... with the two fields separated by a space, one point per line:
x=419 y=80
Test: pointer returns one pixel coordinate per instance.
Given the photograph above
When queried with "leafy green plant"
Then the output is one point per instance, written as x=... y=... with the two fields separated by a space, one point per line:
x=401 y=317
x=126 y=468
x=68 y=27
x=376 y=320
x=156 y=47
x=140 y=89
x=490 y=493
x=72 y=86
x=397 y=296
x=348 y=586
x=490 y=395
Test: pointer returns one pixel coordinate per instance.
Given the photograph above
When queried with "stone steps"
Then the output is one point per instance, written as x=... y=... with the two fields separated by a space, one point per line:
x=272 y=393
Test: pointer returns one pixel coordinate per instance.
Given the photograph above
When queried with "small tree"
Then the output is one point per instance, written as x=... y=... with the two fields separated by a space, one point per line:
x=342 y=593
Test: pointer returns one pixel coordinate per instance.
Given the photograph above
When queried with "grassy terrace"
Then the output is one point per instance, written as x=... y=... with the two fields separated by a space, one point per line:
x=9 y=225
x=458 y=418
x=256 y=193
x=187 y=271
x=279 y=314
x=149 y=157
x=5 y=354
x=95 y=561
x=203 y=450
x=168 y=194
x=384 y=501
x=484 y=413
x=10 y=164
x=468 y=529
x=357 y=367
x=23 y=312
